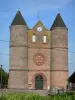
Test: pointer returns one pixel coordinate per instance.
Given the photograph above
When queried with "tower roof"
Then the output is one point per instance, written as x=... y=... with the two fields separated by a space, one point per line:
x=58 y=22
x=18 y=19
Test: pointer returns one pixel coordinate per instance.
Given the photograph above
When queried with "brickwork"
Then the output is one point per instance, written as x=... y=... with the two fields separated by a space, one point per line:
x=44 y=74
x=33 y=50
x=19 y=81
x=59 y=38
x=59 y=79
x=59 y=58
x=29 y=59
x=18 y=75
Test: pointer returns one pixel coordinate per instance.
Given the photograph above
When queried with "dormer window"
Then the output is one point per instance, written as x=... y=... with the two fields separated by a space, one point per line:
x=33 y=38
x=44 y=39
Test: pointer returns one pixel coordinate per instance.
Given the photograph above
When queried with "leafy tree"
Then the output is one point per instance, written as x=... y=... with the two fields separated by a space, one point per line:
x=4 y=78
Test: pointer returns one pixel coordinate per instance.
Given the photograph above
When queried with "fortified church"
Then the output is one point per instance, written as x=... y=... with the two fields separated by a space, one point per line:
x=38 y=56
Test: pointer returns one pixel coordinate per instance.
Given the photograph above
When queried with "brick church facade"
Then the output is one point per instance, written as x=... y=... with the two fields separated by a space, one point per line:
x=38 y=56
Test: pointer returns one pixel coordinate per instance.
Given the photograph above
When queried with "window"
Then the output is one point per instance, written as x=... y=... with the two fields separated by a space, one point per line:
x=44 y=39
x=38 y=82
x=33 y=38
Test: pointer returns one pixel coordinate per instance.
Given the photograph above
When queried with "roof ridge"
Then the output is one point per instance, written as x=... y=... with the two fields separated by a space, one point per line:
x=39 y=21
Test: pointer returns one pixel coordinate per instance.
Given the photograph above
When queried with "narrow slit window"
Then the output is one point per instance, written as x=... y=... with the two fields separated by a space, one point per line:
x=44 y=39
x=33 y=38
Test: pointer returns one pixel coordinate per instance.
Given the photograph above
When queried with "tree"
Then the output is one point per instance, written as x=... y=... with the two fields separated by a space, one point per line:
x=4 y=78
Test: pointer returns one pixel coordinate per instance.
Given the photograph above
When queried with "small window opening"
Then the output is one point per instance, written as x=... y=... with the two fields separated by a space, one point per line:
x=44 y=39
x=33 y=38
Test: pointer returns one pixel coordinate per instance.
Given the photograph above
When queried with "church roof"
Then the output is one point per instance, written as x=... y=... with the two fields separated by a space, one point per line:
x=39 y=23
x=58 y=22
x=18 y=19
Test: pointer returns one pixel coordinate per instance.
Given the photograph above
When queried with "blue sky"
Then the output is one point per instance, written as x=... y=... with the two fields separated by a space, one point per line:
x=48 y=10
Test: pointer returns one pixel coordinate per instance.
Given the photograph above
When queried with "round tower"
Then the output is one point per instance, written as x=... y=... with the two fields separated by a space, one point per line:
x=18 y=69
x=59 y=54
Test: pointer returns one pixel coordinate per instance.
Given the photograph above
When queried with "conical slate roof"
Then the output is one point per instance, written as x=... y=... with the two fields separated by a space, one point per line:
x=18 y=19
x=58 y=22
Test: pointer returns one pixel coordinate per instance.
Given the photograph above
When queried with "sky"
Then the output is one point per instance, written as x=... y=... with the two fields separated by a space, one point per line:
x=48 y=10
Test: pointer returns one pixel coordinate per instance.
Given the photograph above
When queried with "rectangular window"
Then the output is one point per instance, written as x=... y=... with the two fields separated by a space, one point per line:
x=44 y=39
x=33 y=38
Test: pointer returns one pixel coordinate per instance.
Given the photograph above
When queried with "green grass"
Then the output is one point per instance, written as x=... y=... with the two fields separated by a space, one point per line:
x=35 y=96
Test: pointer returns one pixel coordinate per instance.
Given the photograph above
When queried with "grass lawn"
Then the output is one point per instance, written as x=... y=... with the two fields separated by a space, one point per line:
x=35 y=96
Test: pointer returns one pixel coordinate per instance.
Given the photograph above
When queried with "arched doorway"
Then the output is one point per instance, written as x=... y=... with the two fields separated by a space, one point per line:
x=38 y=82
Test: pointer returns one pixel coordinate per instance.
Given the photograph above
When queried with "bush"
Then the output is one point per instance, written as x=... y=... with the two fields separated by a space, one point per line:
x=23 y=96
x=3 y=98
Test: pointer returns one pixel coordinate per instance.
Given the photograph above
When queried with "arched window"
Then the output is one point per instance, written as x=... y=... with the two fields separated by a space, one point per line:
x=33 y=38
x=44 y=39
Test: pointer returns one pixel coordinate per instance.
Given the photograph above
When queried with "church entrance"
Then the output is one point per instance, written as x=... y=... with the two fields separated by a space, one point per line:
x=38 y=82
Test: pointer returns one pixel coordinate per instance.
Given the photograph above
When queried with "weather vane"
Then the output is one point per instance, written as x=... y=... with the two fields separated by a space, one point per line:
x=18 y=8
x=58 y=9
